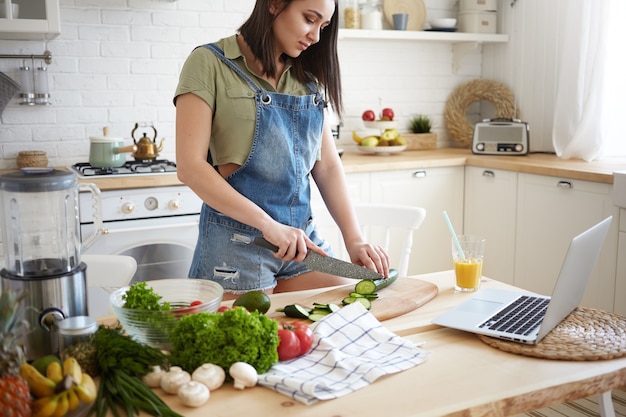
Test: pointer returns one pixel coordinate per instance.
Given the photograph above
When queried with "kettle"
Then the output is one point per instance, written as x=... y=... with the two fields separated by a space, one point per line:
x=147 y=148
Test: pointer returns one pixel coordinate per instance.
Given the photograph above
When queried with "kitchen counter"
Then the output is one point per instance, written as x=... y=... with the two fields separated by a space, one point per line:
x=353 y=161
x=541 y=164
x=461 y=377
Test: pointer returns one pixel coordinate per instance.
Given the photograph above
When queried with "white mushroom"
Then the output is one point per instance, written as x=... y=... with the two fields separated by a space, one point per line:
x=244 y=375
x=153 y=378
x=175 y=378
x=193 y=394
x=211 y=375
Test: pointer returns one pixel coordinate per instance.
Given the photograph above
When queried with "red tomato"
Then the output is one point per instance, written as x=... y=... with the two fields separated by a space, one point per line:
x=295 y=340
x=369 y=116
x=195 y=303
x=221 y=309
x=387 y=114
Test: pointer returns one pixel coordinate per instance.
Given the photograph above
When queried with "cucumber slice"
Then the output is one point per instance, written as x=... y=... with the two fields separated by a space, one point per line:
x=355 y=294
x=316 y=317
x=349 y=300
x=365 y=286
x=296 y=311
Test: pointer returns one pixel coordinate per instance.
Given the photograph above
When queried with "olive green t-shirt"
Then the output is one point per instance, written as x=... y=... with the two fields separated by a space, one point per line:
x=230 y=98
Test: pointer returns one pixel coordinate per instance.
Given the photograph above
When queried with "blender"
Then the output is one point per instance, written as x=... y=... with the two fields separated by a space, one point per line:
x=42 y=245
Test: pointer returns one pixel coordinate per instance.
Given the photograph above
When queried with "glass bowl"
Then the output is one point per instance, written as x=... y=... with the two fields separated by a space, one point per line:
x=153 y=327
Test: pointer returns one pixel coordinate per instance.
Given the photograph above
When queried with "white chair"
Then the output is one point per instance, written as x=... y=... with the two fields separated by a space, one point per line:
x=391 y=226
x=106 y=273
x=386 y=224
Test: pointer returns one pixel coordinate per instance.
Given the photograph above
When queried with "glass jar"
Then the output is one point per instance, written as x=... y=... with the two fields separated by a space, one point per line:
x=349 y=14
x=75 y=330
x=372 y=15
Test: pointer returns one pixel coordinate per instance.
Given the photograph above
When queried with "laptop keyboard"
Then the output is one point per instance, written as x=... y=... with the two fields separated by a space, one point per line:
x=520 y=317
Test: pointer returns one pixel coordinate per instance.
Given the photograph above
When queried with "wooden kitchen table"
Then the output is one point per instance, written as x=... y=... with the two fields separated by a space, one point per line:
x=462 y=376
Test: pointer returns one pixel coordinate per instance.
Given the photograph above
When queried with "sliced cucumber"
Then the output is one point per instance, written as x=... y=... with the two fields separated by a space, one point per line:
x=296 y=311
x=356 y=294
x=316 y=317
x=349 y=300
x=365 y=286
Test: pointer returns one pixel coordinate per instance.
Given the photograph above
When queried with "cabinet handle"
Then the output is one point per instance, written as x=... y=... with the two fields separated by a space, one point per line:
x=419 y=174
x=565 y=184
x=488 y=173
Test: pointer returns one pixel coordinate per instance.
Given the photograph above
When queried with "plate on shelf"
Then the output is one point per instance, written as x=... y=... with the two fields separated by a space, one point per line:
x=415 y=9
x=380 y=150
x=380 y=124
x=441 y=30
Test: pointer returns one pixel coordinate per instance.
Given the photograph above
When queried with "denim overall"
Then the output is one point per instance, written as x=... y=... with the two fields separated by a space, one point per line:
x=286 y=144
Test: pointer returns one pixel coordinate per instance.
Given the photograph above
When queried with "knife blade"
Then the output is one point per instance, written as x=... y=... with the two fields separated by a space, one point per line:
x=327 y=264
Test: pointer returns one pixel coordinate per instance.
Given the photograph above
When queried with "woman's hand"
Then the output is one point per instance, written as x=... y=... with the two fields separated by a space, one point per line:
x=371 y=256
x=293 y=244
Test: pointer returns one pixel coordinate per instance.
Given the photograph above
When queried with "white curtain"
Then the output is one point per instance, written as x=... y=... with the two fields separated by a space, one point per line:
x=591 y=88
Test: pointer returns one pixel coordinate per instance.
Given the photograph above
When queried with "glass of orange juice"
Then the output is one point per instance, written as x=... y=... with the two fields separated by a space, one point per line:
x=468 y=266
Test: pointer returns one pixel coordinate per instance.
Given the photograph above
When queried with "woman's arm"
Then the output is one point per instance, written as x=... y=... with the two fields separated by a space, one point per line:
x=193 y=135
x=330 y=178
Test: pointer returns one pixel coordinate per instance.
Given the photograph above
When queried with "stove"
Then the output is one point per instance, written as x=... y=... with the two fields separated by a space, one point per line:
x=158 y=166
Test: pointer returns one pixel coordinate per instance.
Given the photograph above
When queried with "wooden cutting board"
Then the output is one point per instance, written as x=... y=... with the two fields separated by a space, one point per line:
x=401 y=297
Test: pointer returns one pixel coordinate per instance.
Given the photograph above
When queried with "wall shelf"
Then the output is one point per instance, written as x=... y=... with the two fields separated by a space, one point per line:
x=462 y=43
x=424 y=36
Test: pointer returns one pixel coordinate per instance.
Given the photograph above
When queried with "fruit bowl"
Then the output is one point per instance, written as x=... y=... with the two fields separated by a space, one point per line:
x=381 y=150
x=153 y=327
x=380 y=124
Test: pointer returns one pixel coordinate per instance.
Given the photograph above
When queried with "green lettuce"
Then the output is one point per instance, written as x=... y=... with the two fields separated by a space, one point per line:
x=223 y=339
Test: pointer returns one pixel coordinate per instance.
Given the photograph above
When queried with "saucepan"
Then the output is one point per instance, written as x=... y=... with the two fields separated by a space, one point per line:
x=108 y=152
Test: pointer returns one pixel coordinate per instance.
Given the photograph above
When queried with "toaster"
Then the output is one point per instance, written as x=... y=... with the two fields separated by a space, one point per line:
x=500 y=137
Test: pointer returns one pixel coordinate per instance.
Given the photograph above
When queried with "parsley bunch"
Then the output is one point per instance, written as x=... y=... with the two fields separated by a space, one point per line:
x=141 y=297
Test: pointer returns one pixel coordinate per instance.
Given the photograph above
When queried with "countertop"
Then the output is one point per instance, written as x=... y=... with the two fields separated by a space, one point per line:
x=461 y=377
x=538 y=163
x=354 y=162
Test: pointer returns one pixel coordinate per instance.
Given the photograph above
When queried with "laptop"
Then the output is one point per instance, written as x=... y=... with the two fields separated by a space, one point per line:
x=527 y=318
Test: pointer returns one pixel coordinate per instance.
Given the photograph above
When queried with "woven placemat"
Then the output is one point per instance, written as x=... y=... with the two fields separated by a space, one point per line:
x=586 y=334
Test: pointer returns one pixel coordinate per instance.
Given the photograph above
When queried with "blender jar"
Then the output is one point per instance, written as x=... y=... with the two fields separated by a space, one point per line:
x=41 y=227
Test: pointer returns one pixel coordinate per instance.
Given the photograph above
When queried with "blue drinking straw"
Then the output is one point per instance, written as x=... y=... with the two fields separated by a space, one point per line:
x=454 y=237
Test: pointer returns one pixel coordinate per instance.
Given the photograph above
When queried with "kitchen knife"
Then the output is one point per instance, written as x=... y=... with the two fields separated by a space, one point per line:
x=328 y=264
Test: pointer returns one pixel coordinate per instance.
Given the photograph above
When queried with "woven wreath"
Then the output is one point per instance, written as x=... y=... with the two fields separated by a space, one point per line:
x=465 y=95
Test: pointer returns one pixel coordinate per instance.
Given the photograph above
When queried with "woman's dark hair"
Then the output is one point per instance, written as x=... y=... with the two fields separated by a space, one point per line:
x=320 y=60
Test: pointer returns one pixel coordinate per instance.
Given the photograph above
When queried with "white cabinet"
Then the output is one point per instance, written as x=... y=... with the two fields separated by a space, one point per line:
x=550 y=211
x=620 y=277
x=490 y=211
x=436 y=190
x=36 y=19
x=358 y=190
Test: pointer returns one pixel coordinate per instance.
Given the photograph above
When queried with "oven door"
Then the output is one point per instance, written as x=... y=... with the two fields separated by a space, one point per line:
x=163 y=247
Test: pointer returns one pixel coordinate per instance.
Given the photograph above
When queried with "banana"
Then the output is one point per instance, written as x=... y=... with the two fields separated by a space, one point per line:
x=39 y=385
x=87 y=389
x=54 y=372
x=44 y=407
x=63 y=405
x=72 y=367
x=72 y=399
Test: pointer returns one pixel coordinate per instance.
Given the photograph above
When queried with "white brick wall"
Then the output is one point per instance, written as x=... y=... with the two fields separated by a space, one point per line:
x=116 y=62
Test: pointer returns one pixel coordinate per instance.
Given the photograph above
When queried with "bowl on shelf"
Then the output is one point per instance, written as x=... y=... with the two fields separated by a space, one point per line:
x=153 y=327
x=445 y=23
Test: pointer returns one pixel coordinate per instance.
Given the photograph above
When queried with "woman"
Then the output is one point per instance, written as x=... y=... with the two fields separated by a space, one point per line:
x=250 y=128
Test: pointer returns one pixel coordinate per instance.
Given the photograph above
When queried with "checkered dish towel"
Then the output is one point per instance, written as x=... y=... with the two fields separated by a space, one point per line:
x=351 y=349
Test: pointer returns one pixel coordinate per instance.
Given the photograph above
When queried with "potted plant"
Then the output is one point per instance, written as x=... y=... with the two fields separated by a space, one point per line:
x=421 y=136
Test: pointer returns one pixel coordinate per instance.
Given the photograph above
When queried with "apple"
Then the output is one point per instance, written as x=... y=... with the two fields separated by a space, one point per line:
x=387 y=114
x=369 y=116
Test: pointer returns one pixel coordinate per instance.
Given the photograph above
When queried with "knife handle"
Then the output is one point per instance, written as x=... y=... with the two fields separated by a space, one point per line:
x=260 y=241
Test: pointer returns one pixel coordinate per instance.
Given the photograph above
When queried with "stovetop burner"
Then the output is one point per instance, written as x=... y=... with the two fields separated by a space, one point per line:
x=158 y=166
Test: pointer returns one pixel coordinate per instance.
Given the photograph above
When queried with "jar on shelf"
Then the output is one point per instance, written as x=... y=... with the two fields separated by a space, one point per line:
x=349 y=14
x=372 y=15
